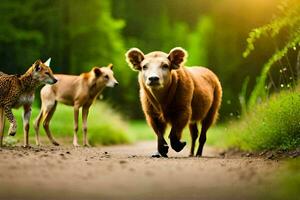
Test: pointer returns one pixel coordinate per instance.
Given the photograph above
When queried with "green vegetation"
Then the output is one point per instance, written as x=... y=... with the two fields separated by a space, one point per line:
x=286 y=22
x=141 y=130
x=273 y=124
x=105 y=126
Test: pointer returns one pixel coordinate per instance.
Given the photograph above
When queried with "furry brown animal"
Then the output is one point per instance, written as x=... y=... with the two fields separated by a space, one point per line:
x=16 y=91
x=174 y=94
x=77 y=91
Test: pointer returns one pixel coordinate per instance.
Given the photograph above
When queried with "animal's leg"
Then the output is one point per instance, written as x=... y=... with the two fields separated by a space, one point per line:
x=159 y=127
x=76 y=113
x=202 y=139
x=12 y=120
x=2 y=121
x=179 y=121
x=37 y=127
x=175 y=136
x=194 y=135
x=26 y=119
x=47 y=117
x=206 y=123
x=210 y=118
x=85 y=112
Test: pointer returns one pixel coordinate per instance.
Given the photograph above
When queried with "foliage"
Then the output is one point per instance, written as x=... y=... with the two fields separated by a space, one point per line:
x=288 y=18
x=273 y=124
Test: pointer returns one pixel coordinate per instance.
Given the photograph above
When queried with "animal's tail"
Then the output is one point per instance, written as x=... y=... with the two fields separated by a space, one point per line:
x=2 y=121
x=213 y=112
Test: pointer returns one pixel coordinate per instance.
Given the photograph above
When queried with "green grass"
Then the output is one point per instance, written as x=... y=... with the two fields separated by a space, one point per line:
x=141 y=130
x=105 y=125
x=272 y=125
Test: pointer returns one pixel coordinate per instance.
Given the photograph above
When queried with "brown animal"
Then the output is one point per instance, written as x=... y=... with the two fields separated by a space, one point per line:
x=174 y=94
x=77 y=91
x=16 y=91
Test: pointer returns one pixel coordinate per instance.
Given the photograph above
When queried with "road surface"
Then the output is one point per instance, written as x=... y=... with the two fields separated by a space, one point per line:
x=128 y=172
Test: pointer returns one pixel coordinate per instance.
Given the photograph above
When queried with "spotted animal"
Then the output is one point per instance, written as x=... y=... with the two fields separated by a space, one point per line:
x=17 y=91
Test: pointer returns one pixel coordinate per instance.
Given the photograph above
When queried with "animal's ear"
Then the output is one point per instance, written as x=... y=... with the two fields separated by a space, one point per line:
x=97 y=71
x=177 y=57
x=48 y=62
x=111 y=66
x=37 y=66
x=134 y=57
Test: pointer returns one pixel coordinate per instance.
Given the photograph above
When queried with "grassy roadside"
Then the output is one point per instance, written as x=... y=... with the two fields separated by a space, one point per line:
x=271 y=125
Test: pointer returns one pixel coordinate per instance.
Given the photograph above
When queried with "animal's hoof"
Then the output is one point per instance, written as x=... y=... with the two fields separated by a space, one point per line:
x=55 y=143
x=177 y=145
x=155 y=155
x=76 y=145
x=158 y=155
x=87 y=145
x=12 y=134
x=199 y=155
x=26 y=146
x=39 y=144
x=163 y=150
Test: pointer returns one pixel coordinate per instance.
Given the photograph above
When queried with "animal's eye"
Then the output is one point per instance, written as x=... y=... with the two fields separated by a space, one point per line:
x=106 y=77
x=165 y=66
x=145 y=67
x=47 y=73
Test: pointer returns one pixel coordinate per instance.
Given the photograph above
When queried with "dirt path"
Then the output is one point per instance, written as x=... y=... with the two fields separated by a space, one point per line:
x=127 y=172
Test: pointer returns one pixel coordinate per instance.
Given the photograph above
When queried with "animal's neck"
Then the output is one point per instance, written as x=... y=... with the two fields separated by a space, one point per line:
x=95 y=90
x=28 y=82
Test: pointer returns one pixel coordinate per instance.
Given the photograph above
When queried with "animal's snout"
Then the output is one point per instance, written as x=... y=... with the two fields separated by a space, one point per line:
x=153 y=79
x=116 y=83
x=54 y=80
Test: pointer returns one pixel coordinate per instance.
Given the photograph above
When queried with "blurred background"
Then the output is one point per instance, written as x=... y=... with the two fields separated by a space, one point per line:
x=78 y=35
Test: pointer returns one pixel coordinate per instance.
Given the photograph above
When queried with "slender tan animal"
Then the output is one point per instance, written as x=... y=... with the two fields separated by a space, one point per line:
x=174 y=94
x=77 y=91
x=17 y=91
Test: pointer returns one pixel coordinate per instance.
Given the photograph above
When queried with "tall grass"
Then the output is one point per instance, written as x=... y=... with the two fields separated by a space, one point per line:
x=105 y=125
x=273 y=124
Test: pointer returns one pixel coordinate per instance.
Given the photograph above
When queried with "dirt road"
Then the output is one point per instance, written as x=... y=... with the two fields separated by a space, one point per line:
x=128 y=172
